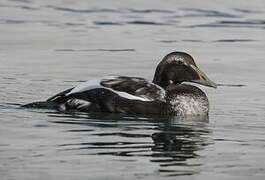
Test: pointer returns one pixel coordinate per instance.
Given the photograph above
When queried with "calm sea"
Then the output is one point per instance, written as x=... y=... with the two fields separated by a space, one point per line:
x=49 y=46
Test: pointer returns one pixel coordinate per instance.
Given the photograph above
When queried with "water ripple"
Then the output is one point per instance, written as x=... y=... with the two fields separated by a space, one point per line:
x=120 y=134
x=208 y=13
x=248 y=11
x=146 y=23
x=237 y=24
x=231 y=85
x=23 y=1
x=167 y=141
x=253 y=22
x=214 y=41
x=130 y=22
x=150 y=11
x=234 y=40
x=107 y=50
x=108 y=23
x=83 y=10
x=11 y=21
x=105 y=10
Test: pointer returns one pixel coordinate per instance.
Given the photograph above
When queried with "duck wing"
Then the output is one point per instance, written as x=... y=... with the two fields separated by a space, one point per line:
x=112 y=94
x=59 y=96
x=128 y=87
x=135 y=86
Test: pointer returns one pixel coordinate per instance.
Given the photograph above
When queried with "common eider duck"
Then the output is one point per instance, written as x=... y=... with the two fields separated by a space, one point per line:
x=165 y=95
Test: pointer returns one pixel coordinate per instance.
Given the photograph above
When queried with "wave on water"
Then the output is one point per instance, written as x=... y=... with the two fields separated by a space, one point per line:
x=107 y=50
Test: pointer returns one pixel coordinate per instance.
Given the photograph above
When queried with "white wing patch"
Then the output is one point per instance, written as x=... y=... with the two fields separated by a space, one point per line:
x=78 y=103
x=88 y=85
x=85 y=86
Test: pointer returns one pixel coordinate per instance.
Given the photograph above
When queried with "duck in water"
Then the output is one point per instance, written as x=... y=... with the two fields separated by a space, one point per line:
x=165 y=95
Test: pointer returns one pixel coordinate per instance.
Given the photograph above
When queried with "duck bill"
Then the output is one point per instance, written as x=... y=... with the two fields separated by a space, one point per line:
x=203 y=79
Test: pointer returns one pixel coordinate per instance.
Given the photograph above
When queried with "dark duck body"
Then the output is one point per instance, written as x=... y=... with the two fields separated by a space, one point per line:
x=165 y=95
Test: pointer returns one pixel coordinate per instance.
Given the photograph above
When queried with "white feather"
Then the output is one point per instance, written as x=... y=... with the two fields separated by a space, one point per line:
x=92 y=84
x=189 y=105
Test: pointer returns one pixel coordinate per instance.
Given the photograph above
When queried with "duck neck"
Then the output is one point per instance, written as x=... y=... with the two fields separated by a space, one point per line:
x=160 y=78
x=162 y=82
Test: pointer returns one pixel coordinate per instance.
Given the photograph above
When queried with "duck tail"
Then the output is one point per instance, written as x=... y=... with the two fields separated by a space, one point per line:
x=41 y=105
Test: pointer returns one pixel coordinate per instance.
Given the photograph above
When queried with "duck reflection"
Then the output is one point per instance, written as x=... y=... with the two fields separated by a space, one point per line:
x=174 y=146
x=179 y=134
x=178 y=140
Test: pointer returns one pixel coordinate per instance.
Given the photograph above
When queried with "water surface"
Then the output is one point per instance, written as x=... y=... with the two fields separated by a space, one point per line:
x=49 y=46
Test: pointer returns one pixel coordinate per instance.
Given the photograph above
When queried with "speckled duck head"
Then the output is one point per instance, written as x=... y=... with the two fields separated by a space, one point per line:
x=178 y=67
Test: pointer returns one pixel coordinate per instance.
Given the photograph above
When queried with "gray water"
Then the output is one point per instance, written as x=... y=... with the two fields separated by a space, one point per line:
x=49 y=46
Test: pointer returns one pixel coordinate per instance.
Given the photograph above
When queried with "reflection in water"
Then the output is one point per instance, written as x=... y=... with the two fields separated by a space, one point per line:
x=168 y=142
x=178 y=141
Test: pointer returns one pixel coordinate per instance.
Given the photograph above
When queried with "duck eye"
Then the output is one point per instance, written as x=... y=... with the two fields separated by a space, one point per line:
x=179 y=62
